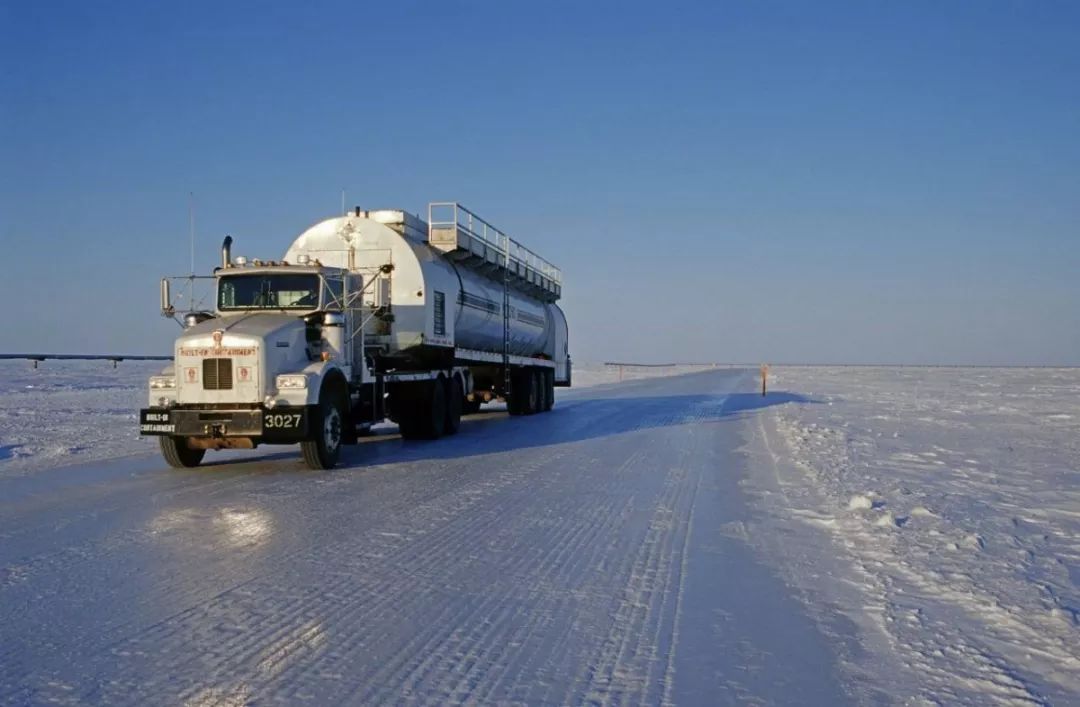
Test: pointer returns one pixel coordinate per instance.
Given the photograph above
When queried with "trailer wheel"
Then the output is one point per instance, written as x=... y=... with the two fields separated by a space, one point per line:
x=543 y=399
x=538 y=381
x=518 y=396
x=455 y=399
x=549 y=389
x=533 y=401
x=178 y=454
x=323 y=451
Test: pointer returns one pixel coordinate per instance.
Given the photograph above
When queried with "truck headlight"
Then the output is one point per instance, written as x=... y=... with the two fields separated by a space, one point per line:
x=162 y=382
x=291 y=382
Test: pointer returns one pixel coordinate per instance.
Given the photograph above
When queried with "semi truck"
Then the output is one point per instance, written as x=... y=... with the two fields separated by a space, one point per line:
x=370 y=316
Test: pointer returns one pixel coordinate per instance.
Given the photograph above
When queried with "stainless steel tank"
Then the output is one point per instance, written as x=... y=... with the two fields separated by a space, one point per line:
x=434 y=301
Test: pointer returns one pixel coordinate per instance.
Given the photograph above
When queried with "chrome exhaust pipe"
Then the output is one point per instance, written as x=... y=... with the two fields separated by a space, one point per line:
x=226 y=252
x=166 y=299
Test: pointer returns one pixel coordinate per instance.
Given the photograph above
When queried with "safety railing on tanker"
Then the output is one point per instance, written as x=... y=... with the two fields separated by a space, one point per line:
x=450 y=214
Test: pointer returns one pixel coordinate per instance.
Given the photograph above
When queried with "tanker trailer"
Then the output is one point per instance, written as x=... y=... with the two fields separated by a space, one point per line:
x=368 y=316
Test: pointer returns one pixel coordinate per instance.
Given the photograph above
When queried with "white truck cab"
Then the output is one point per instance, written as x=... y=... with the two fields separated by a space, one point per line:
x=256 y=369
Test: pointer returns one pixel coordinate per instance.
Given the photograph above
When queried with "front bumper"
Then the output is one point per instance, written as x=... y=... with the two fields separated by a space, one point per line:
x=280 y=425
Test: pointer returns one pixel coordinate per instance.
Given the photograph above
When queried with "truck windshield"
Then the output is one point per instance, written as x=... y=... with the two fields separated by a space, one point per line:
x=268 y=291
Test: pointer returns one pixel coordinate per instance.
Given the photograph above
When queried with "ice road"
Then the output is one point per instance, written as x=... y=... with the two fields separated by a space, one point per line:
x=590 y=555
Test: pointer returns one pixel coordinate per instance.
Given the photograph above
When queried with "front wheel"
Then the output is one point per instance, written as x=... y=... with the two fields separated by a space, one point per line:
x=323 y=451
x=178 y=454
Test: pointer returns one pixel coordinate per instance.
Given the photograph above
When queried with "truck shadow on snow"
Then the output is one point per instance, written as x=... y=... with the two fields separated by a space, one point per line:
x=572 y=420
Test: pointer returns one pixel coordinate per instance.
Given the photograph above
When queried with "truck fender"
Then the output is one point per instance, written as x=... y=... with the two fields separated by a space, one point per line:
x=319 y=374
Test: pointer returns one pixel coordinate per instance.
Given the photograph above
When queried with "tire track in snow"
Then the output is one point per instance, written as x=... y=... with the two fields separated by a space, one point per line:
x=631 y=666
x=550 y=568
x=435 y=650
x=236 y=651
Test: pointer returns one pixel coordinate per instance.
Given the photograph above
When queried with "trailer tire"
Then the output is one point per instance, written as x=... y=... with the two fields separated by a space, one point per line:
x=518 y=395
x=544 y=396
x=323 y=451
x=533 y=402
x=178 y=454
x=455 y=400
x=549 y=388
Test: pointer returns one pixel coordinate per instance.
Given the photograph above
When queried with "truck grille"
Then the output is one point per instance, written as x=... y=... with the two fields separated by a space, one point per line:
x=217 y=374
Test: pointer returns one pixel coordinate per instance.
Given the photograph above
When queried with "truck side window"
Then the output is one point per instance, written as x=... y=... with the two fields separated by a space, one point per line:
x=334 y=294
x=228 y=294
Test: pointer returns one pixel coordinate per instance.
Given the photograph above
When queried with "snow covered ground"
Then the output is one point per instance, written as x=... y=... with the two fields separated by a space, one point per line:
x=949 y=501
x=925 y=521
x=65 y=412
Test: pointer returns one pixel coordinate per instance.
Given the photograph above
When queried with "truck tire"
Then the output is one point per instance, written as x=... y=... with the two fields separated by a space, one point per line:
x=178 y=454
x=323 y=451
x=518 y=396
x=455 y=400
x=533 y=401
x=549 y=389
x=405 y=411
x=542 y=400
x=424 y=414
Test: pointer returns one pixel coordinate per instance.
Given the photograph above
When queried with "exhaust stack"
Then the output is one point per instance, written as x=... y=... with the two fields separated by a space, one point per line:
x=226 y=252
x=166 y=299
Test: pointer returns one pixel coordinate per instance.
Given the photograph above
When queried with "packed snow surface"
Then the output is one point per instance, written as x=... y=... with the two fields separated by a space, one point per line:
x=867 y=535
x=951 y=499
x=592 y=554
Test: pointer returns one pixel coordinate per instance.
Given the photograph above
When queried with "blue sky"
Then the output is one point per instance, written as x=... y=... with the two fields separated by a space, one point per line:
x=814 y=182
